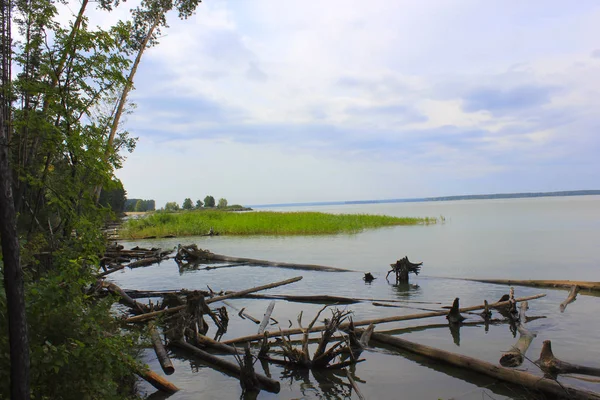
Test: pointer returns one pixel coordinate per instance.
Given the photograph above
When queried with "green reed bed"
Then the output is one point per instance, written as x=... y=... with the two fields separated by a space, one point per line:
x=259 y=223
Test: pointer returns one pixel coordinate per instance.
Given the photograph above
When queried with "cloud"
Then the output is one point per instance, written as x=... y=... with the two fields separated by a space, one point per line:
x=502 y=101
x=596 y=53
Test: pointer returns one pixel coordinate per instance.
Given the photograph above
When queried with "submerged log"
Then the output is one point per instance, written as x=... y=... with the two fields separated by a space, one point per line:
x=570 y=298
x=553 y=366
x=515 y=356
x=525 y=379
x=454 y=316
x=594 y=286
x=161 y=352
x=266 y=383
x=195 y=254
x=397 y=318
x=147 y=316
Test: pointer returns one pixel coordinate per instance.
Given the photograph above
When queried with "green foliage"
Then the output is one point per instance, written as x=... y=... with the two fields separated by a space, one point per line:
x=187 y=204
x=222 y=203
x=113 y=196
x=260 y=223
x=78 y=350
x=171 y=206
x=209 y=201
x=199 y=204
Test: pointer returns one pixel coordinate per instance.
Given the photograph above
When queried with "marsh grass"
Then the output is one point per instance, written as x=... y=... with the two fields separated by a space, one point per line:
x=259 y=223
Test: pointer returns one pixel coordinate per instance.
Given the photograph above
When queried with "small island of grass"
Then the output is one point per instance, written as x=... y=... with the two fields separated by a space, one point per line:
x=259 y=223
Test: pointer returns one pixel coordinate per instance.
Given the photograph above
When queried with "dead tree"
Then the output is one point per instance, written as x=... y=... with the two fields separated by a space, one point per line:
x=402 y=268
x=553 y=366
x=570 y=298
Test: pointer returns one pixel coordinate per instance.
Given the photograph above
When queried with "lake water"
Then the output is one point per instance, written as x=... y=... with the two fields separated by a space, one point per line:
x=540 y=238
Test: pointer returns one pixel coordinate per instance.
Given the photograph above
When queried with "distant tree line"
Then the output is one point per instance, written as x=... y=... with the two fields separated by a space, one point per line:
x=139 y=205
x=188 y=204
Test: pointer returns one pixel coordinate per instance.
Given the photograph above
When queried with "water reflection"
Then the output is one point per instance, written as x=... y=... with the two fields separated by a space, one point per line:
x=324 y=384
x=405 y=290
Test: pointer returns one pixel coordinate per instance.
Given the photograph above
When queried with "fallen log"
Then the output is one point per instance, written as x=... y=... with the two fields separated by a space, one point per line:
x=515 y=356
x=161 y=352
x=517 y=377
x=138 y=307
x=266 y=383
x=327 y=299
x=147 y=316
x=155 y=380
x=205 y=255
x=594 y=286
x=110 y=271
x=144 y=262
x=570 y=298
x=295 y=331
x=553 y=366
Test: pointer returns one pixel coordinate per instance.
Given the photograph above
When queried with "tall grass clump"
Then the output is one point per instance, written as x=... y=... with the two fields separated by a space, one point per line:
x=260 y=223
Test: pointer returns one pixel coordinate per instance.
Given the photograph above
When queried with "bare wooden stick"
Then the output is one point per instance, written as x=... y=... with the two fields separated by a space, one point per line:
x=515 y=356
x=570 y=298
x=327 y=299
x=161 y=352
x=147 y=316
x=213 y=344
x=554 y=366
x=528 y=380
x=266 y=318
x=266 y=383
x=396 y=318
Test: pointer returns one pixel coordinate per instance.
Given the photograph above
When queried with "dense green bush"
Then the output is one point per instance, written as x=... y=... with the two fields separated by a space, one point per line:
x=78 y=350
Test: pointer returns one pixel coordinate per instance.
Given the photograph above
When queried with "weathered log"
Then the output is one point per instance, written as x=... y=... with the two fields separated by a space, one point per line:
x=138 y=307
x=515 y=356
x=553 y=366
x=267 y=384
x=161 y=352
x=570 y=298
x=147 y=316
x=594 y=286
x=244 y=314
x=377 y=304
x=354 y=386
x=327 y=299
x=144 y=262
x=205 y=255
x=397 y=318
x=213 y=344
x=525 y=379
x=155 y=380
x=266 y=318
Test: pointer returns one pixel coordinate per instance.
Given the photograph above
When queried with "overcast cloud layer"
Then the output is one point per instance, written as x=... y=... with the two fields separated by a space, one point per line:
x=272 y=101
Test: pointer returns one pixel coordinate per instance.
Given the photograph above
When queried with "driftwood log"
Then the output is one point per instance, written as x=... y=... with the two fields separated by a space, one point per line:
x=397 y=318
x=161 y=352
x=548 y=386
x=515 y=356
x=570 y=298
x=553 y=366
x=155 y=380
x=266 y=317
x=147 y=316
x=193 y=253
x=266 y=383
x=593 y=286
x=139 y=308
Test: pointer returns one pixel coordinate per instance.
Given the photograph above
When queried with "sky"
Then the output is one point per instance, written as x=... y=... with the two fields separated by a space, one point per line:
x=276 y=101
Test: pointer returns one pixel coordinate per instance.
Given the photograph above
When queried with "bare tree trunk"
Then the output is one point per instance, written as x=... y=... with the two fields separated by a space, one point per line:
x=13 y=276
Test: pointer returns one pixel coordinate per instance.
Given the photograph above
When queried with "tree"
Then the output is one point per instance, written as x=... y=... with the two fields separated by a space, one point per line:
x=139 y=206
x=222 y=203
x=199 y=204
x=187 y=204
x=209 y=201
x=171 y=206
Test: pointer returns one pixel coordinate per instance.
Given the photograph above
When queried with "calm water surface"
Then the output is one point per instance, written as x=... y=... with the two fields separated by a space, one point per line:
x=541 y=238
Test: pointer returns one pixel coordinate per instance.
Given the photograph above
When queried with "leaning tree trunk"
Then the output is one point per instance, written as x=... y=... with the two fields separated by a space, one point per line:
x=13 y=276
